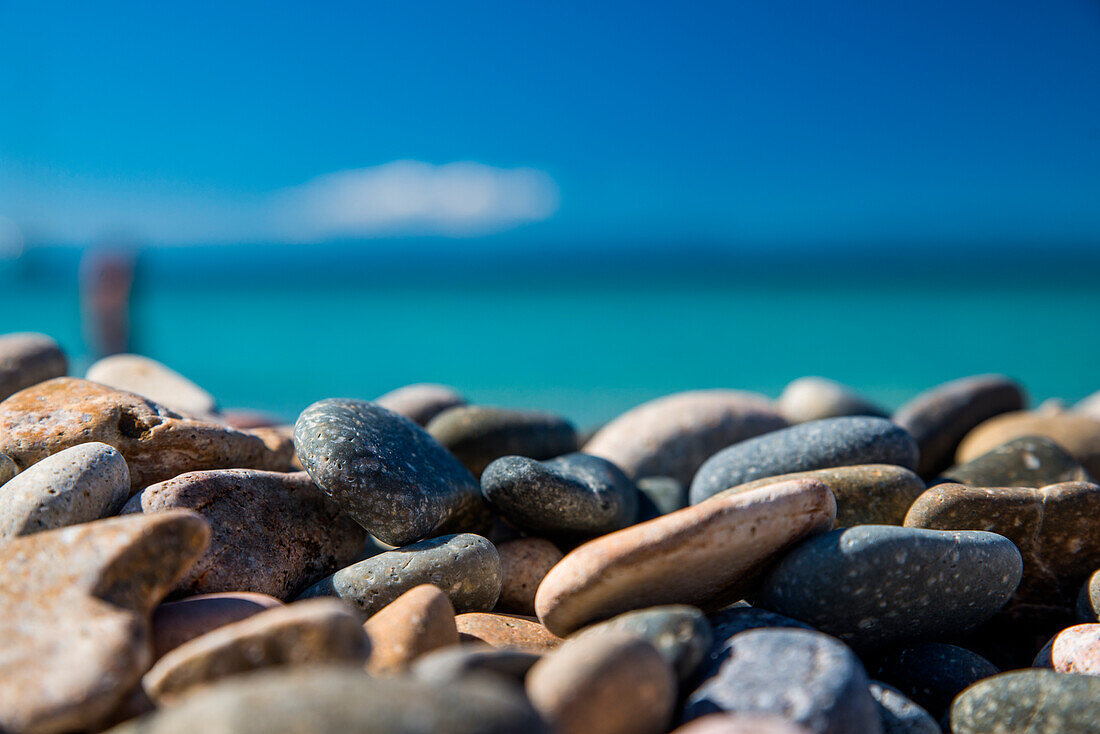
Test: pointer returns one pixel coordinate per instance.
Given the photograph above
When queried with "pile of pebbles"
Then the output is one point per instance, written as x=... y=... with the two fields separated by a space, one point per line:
x=709 y=562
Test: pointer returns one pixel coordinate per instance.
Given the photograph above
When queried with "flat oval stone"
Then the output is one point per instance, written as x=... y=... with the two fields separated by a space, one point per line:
x=932 y=673
x=465 y=566
x=939 y=418
x=672 y=436
x=814 y=398
x=680 y=633
x=8 y=469
x=458 y=662
x=27 y=359
x=659 y=496
x=79 y=484
x=1028 y=702
x=1088 y=600
x=417 y=622
x=1077 y=434
x=573 y=496
x=524 y=563
x=385 y=471
x=479 y=435
x=421 y=402
x=1075 y=649
x=807 y=677
x=604 y=684
x=1031 y=461
x=176 y=622
x=875 y=585
x=153 y=380
x=700 y=555
x=816 y=445
x=273 y=533
x=869 y=494
x=506 y=631
x=899 y=714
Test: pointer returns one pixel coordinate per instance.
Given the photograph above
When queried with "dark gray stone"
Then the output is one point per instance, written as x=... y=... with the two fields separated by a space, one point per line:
x=479 y=435
x=807 y=677
x=1029 y=702
x=386 y=472
x=932 y=673
x=574 y=496
x=877 y=585
x=659 y=496
x=1031 y=461
x=27 y=359
x=899 y=714
x=457 y=662
x=681 y=633
x=815 y=445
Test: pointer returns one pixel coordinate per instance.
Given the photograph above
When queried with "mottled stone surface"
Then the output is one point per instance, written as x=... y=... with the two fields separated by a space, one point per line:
x=932 y=673
x=939 y=418
x=308 y=632
x=1088 y=599
x=659 y=496
x=80 y=484
x=899 y=714
x=1073 y=650
x=815 y=398
x=740 y=724
x=74 y=615
x=820 y=444
x=524 y=563
x=385 y=471
x=1028 y=702
x=875 y=585
x=672 y=436
x=479 y=435
x=701 y=555
x=157 y=443
x=1055 y=529
x=176 y=622
x=419 y=621
x=465 y=566
x=680 y=633
x=804 y=676
x=1031 y=461
x=474 y=659
x=507 y=631
x=421 y=402
x=8 y=469
x=868 y=494
x=573 y=496
x=1077 y=434
x=155 y=381
x=606 y=684
x=27 y=359
x=340 y=700
x=274 y=533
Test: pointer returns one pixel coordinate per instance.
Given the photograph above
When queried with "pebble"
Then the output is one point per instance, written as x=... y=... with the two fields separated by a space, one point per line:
x=1031 y=461
x=74 y=615
x=604 y=684
x=701 y=555
x=479 y=435
x=573 y=496
x=506 y=631
x=307 y=632
x=932 y=673
x=1054 y=528
x=176 y=622
x=740 y=724
x=1028 y=702
x=899 y=715
x=385 y=471
x=659 y=496
x=820 y=444
x=868 y=494
x=524 y=563
x=459 y=662
x=157 y=443
x=1073 y=650
x=155 y=381
x=27 y=359
x=1088 y=600
x=814 y=398
x=273 y=533
x=672 y=436
x=732 y=621
x=79 y=484
x=939 y=418
x=8 y=469
x=421 y=402
x=1079 y=435
x=808 y=678
x=279 y=441
x=876 y=585
x=680 y=633
x=419 y=621
x=1089 y=405
x=465 y=567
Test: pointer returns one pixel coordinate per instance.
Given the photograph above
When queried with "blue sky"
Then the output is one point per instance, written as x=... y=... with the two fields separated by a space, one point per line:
x=750 y=122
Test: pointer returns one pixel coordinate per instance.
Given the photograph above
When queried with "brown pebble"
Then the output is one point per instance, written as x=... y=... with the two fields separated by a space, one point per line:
x=506 y=630
x=176 y=622
x=524 y=563
x=419 y=621
x=27 y=359
x=1078 y=434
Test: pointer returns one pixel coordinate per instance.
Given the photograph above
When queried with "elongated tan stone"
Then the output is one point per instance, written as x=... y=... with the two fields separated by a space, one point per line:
x=419 y=621
x=151 y=379
x=507 y=631
x=1076 y=433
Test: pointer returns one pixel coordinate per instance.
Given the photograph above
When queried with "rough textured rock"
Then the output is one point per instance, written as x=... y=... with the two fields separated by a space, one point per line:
x=680 y=633
x=899 y=714
x=820 y=444
x=155 y=381
x=659 y=496
x=1031 y=461
x=1077 y=434
x=876 y=585
x=804 y=676
x=461 y=661
x=939 y=418
x=479 y=435
x=309 y=632
x=868 y=494
x=176 y=622
x=274 y=533
x=27 y=359
x=386 y=472
x=814 y=398
x=74 y=615
x=421 y=402
x=1073 y=650
x=740 y=724
x=932 y=673
x=466 y=567
x=702 y=555
x=524 y=563
x=419 y=621
x=672 y=436
x=1028 y=702
x=606 y=684
x=1088 y=600
x=8 y=469
x=80 y=484
x=157 y=443
x=573 y=496
x=507 y=631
